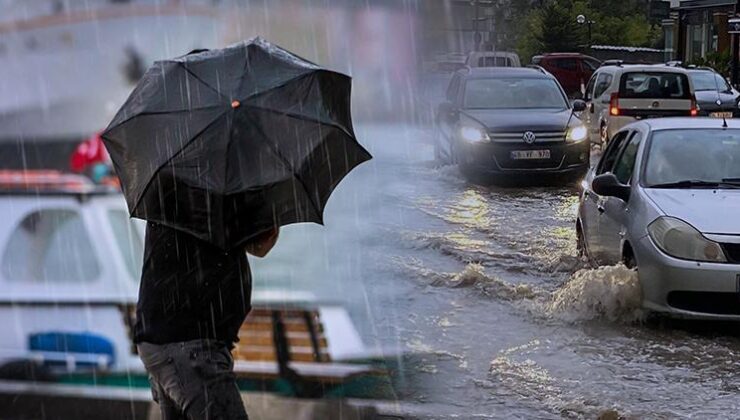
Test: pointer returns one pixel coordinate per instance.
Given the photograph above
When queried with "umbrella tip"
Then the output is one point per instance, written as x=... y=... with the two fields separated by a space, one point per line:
x=235 y=104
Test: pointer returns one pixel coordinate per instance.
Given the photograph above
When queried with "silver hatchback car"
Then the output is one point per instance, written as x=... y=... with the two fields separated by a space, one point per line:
x=665 y=198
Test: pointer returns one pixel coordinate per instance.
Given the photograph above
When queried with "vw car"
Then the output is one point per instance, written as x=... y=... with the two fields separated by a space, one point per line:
x=710 y=87
x=665 y=199
x=619 y=94
x=511 y=122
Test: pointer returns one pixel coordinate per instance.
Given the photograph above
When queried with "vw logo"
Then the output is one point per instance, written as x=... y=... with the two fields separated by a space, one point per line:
x=529 y=137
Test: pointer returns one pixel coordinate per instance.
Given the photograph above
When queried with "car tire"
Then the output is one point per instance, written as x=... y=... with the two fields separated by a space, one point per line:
x=630 y=262
x=603 y=135
x=581 y=244
x=438 y=153
x=454 y=155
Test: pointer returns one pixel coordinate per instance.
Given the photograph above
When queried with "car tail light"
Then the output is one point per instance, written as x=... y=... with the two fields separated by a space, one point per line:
x=694 y=111
x=614 y=104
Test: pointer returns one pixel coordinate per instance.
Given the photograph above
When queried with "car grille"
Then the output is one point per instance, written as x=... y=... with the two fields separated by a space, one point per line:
x=718 y=303
x=518 y=137
x=732 y=252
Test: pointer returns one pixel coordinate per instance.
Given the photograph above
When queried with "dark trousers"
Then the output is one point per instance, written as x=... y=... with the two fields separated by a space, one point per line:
x=193 y=380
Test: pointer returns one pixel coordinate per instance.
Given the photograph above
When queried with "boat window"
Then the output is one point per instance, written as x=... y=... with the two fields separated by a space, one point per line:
x=129 y=241
x=50 y=246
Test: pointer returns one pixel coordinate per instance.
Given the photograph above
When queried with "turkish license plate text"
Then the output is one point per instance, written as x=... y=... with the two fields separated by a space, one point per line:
x=720 y=114
x=530 y=154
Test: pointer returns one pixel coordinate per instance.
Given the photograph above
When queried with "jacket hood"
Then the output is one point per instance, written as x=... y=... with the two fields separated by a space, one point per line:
x=517 y=120
x=709 y=211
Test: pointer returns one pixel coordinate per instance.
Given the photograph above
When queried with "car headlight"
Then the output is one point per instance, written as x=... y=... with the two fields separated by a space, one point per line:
x=473 y=134
x=576 y=134
x=681 y=240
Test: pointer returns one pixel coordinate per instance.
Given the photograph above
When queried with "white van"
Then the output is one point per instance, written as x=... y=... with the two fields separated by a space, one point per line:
x=493 y=59
x=618 y=94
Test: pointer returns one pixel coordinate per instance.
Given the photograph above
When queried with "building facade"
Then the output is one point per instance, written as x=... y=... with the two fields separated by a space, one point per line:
x=697 y=28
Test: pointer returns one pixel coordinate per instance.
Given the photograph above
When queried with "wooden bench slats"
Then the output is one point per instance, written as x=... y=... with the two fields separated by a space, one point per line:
x=256 y=341
x=267 y=340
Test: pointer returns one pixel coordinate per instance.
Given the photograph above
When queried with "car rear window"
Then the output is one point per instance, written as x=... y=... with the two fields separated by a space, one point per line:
x=662 y=85
x=494 y=62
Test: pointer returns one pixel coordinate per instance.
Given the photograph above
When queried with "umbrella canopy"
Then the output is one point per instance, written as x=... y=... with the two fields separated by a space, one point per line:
x=225 y=144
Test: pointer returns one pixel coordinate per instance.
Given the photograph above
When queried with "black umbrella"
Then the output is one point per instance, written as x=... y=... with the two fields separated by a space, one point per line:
x=225 y=144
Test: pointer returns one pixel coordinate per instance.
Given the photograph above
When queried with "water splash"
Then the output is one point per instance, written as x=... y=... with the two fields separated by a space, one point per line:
x=611 y=292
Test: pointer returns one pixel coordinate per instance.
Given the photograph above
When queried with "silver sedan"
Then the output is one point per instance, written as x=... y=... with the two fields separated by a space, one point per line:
x=665 y=199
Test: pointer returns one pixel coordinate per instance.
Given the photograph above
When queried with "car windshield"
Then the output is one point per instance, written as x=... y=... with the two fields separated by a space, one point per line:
x=654 y=85
x=502 y=93
x=707 y=80
x=694 y=157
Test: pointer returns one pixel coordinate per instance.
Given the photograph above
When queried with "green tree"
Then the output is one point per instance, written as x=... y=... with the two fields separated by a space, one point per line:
x=559 y=30
x=550 y=25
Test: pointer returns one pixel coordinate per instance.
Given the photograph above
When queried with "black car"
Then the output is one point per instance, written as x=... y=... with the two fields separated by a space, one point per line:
x=710 y=86
x=511 y=121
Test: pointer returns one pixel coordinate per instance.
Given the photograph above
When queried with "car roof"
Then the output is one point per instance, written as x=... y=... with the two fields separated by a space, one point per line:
x=701 y=69
x=492 y=53
x=685 y=123
x=645 y=68
x=495 y=72
x=567 y=54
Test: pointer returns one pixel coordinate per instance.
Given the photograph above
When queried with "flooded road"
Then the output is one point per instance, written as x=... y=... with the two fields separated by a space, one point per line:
x=484 y=285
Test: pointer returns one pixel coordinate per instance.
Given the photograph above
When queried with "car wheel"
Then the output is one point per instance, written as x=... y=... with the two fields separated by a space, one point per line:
x=581 y=245
x=454 y=155
x=629 y=261
x=603 y=135
x=438 y=153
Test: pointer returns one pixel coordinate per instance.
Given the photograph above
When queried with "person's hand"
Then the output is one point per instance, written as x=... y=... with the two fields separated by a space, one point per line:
x=263 y=243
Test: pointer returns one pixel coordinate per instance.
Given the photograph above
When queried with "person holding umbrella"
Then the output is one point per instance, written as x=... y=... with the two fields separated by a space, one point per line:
x=216 y=150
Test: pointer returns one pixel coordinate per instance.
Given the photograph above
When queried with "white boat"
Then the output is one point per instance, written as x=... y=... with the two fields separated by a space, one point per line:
x=67 y=66
x=70 y=261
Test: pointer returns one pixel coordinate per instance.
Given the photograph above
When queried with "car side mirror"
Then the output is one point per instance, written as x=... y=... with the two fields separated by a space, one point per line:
x=608 y=185
x=579 y=105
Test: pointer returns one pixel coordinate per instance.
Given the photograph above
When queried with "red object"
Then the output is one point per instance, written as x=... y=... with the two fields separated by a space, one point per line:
x=694 y=111
x=571 y=69
x=42 y=180
x=88 y=153
x=614 y=104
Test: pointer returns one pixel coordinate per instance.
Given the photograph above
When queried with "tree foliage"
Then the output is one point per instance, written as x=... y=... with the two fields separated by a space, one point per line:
x=550 y=25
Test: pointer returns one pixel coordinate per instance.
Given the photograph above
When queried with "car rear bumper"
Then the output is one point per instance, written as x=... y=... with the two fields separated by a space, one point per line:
x=495 y=158
x=687 y=289
x=706 y=112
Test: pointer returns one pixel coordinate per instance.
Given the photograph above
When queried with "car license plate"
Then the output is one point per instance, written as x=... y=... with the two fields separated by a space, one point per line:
x=530 y=154
x=720 y=114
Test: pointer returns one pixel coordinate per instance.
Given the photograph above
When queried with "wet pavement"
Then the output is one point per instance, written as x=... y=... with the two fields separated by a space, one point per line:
x=484 y=285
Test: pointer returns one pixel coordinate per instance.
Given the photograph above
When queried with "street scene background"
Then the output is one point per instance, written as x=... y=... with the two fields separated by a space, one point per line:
x=477 y=290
